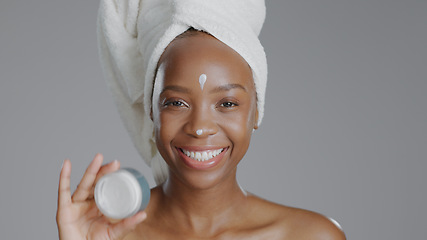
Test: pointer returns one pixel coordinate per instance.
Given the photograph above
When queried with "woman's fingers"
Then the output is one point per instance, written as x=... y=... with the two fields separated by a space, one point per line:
x=84 y=189
x=64 y=193
x=122 y=228
x=108 y=168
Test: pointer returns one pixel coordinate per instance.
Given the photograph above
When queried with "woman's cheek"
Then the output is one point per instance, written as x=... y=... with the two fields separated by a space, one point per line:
x=237 y=126
x=166 y=129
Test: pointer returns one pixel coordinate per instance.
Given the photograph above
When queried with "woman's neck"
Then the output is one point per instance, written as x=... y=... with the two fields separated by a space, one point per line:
x=202 y=211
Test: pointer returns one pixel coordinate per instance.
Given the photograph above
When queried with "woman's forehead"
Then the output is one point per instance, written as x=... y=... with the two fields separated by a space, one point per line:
x=197 y=54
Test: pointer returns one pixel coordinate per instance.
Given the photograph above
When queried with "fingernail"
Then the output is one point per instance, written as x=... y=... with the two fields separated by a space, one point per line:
x=62 y=166
x=142 y=216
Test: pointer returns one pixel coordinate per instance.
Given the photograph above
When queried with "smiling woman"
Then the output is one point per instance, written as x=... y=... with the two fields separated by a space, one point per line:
x=203 y=96
x=224 y=111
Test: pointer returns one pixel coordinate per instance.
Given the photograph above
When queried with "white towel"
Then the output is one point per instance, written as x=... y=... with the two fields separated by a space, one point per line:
x=133 y=34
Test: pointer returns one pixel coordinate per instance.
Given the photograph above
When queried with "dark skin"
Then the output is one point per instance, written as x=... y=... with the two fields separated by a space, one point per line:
x=202 y=203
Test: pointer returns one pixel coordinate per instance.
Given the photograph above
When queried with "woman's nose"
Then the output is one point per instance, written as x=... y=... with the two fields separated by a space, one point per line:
x=201 y=123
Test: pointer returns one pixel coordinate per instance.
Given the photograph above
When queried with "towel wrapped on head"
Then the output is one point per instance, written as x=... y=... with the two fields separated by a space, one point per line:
x=133 y=34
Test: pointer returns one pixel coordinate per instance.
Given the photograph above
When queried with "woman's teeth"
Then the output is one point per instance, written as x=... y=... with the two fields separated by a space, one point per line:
x=203 y=155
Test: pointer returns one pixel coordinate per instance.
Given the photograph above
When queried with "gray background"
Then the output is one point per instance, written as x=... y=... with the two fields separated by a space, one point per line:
x=344 y=133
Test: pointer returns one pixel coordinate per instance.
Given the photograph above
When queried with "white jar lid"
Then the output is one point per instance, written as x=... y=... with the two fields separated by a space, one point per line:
x=118 y=195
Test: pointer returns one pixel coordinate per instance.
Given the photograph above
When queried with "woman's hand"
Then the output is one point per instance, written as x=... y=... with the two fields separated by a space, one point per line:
x=78 y=217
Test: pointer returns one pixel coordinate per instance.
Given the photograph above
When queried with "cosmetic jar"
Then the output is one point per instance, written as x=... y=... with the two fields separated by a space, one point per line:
x=122 y=194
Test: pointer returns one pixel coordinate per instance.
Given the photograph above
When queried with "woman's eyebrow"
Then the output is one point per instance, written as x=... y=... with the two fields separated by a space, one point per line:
x=227 y=87
x=175 y=88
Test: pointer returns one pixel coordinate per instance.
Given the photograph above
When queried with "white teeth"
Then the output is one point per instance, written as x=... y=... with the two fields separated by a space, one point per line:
x=198 y=156
x=202 y=156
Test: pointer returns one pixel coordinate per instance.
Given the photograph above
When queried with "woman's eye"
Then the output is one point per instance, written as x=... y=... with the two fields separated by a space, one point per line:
x=228 y=104
x=175 y=104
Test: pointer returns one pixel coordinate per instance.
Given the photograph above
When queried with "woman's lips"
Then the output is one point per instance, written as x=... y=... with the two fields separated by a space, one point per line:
x=202 y=159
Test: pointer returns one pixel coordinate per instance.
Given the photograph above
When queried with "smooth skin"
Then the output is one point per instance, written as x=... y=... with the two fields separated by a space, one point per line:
x=195 y=203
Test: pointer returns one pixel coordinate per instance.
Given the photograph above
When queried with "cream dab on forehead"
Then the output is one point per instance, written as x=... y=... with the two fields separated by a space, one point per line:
x=202 y=80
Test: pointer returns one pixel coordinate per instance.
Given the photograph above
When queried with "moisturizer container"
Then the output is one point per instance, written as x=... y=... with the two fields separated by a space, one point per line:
x=122 y=194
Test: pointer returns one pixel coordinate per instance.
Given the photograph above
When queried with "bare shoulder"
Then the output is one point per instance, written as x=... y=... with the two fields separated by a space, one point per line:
x=311 y=225
x=295 y=223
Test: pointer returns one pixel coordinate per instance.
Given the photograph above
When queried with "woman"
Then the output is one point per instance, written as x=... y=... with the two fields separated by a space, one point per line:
x=206 y=101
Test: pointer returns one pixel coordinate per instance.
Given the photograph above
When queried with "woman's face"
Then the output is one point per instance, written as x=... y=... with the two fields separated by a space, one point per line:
x=206 y=110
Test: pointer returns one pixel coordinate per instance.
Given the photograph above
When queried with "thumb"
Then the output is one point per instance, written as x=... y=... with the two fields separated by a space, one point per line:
x=122 y=228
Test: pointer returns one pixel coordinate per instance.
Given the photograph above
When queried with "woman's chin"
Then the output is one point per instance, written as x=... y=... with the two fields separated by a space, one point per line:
x=201 y=180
